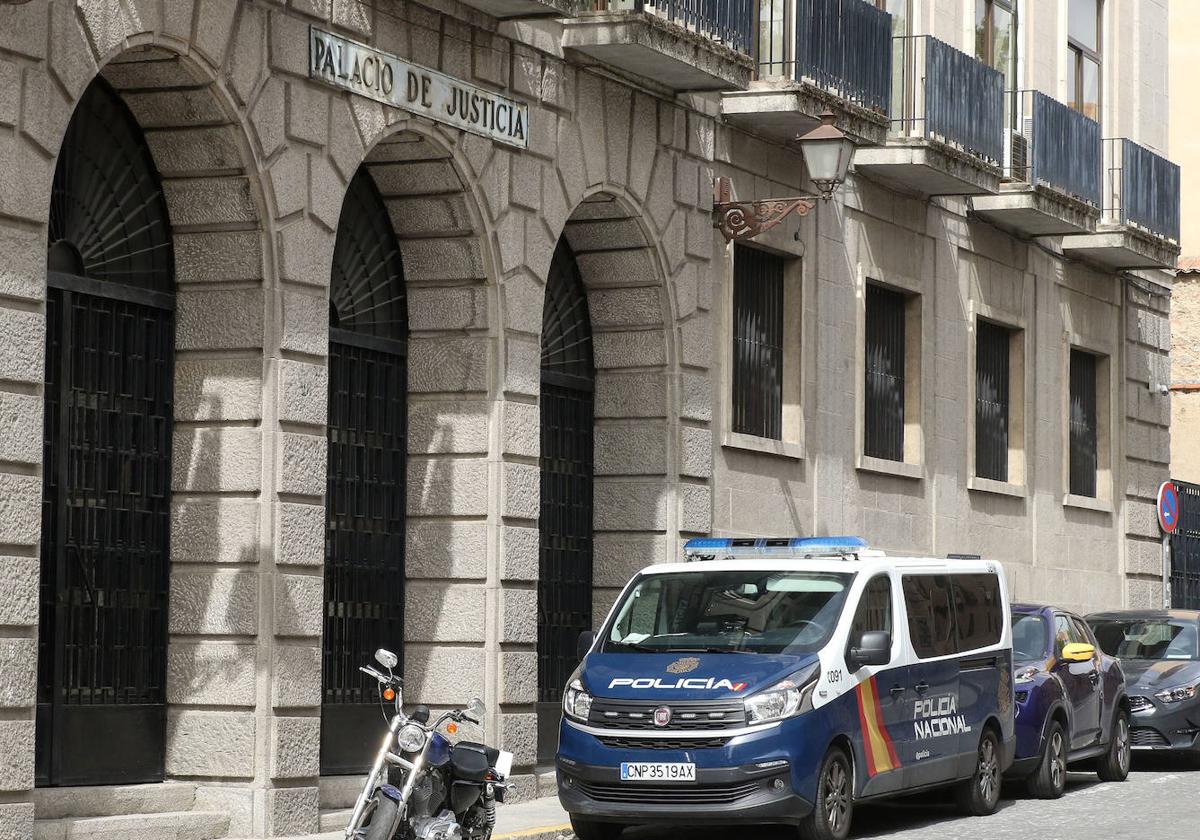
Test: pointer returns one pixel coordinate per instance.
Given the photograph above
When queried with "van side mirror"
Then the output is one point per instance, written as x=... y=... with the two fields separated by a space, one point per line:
x=874 y=648
x=586 y=639
x=1078 y=653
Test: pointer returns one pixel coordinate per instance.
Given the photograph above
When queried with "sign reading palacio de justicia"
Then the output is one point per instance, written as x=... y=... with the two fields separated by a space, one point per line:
x=386 y=78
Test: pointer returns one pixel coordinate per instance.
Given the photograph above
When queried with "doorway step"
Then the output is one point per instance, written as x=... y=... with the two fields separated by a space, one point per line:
x=125 y=812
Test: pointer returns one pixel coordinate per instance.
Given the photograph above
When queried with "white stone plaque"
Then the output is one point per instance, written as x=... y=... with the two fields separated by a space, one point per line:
x=386 y=78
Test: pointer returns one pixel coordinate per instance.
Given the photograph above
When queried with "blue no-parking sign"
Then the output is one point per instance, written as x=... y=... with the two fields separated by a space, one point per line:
x=1168 y=507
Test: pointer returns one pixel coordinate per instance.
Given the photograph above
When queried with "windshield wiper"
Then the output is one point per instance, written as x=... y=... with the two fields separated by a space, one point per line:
x=712 y=650
x=636 y=646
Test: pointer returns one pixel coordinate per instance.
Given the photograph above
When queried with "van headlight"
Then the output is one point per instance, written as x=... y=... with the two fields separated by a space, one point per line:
x=410 y=738
x=784 y=699
x=577 y=703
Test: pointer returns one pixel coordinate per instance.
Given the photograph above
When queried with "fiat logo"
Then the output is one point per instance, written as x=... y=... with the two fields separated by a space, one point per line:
x=662 y=716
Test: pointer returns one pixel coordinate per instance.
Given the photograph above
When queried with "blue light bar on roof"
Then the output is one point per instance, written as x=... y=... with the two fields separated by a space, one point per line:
x=773 y=547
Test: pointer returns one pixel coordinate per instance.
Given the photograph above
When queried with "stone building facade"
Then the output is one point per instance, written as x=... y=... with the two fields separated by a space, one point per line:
x=255 y=158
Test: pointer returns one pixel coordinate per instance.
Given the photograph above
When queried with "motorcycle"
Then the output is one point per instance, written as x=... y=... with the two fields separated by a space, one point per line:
x=422 y=786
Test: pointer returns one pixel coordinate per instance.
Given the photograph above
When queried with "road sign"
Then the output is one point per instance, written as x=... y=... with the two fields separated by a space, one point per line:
x=1168 y=507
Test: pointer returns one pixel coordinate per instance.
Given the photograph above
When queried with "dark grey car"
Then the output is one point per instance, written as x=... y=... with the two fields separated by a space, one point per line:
x=1160 y=654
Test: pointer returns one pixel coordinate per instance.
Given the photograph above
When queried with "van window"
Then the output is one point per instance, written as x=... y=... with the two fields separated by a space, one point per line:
x=929 y=601
x=874 y=610
x=715 y=611
x=979 y=613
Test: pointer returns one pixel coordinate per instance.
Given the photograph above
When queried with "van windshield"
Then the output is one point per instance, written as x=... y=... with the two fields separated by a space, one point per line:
x=730 y=611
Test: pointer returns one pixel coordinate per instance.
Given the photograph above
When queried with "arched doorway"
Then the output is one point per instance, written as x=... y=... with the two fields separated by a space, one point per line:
x=365 y=491
x=110 y=337
x=565 y=523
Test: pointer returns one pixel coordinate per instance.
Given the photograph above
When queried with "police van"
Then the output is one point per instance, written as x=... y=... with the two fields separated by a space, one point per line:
x=784 y=681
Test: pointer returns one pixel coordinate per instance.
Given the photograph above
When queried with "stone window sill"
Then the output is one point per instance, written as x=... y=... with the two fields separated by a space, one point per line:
x=901 y=469
x=1001 y=488
x=1087 y=503
x=765 y=446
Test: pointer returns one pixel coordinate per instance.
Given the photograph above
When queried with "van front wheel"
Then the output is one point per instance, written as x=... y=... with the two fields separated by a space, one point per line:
x=979 y=795
x=834 y=806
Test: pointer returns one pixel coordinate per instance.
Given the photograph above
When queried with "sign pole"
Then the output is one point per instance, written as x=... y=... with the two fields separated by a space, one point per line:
x=1166 y=571
x=1168 y=521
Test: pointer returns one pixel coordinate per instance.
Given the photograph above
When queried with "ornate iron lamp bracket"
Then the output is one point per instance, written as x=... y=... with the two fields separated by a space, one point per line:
x=746 y=219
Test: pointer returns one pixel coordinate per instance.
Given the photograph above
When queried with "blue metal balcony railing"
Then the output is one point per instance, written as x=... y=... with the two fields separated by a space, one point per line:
x=845 y=47
x=1140 y=188
x=1055 y=146
x=729 y=22
x=948 y=96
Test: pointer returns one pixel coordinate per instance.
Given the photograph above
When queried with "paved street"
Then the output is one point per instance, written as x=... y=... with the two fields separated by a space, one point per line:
x=1161 y=799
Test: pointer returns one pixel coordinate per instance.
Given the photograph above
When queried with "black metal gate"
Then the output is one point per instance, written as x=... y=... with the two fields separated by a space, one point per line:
x=108 y=412
x=365 y=491
x=567 y=420
x=1185 y=549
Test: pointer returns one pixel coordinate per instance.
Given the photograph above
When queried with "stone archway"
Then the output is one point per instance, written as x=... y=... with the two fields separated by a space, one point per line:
x=110 y=335
x=629 y=490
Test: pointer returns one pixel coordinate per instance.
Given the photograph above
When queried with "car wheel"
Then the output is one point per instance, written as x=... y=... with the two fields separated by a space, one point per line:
x=834 y=805
x=979 y=795
x=592 y=830
x=1050 y=779
x=1114 y=766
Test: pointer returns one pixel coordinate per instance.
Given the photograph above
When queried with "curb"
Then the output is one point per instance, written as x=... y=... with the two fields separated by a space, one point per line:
x=549 y=832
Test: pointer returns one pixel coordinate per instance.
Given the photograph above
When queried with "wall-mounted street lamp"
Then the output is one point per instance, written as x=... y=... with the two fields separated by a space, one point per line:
x=827 y=155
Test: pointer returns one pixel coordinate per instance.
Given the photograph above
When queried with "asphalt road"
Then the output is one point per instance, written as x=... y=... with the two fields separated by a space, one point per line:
x=1159 y=801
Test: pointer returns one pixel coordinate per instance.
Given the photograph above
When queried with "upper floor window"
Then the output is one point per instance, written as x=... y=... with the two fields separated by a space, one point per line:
x=996 y=37
x=758 y=321
x=773 y=37
x=1083 y=422
x=1083 y=56
x=992 y=400
x=901 y=12
x=886 y=374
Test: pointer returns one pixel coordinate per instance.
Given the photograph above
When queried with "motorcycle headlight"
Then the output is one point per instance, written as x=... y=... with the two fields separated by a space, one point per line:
x=410 y=738
x=577 y=703
x=1177 y=694
x=784 y=699
x=1025 y=675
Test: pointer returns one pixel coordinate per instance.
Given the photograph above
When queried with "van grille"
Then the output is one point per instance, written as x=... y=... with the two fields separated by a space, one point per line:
x=663 y=743
x=1144 y=736
x=670 y=795
x=685 y=715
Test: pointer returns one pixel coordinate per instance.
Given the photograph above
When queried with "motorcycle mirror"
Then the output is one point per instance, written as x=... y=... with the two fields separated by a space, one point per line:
x=386 y=658
x=476 y=709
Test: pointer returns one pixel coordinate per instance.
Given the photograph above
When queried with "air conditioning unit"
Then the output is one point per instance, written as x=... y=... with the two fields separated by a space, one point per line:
x=1016 y=156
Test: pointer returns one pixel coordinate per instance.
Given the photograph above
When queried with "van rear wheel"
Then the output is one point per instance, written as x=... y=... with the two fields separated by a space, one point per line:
x=834 y=805
x=979 y=795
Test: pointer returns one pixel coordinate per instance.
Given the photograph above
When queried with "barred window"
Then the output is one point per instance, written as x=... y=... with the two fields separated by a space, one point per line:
x=1083 y=422
x=757 y=343
x=992 y=367
x=883 y=409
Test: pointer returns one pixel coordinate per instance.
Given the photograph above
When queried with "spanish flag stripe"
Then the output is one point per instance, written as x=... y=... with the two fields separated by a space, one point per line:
x=881 y=752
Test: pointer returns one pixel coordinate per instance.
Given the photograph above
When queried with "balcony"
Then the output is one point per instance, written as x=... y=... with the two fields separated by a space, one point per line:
x=1140 y=226
x=1051 y=171
x=679 y=44
x=948 y=135
x=524 y=9
x=815 y=55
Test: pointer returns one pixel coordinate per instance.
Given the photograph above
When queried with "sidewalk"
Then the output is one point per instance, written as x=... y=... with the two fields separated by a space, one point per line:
x=537 y=819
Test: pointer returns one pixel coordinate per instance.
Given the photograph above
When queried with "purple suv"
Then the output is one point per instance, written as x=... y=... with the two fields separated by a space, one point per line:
x=1071 y=702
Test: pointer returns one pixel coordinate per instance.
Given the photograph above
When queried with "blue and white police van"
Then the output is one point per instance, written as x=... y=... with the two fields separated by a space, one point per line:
x=784 y=681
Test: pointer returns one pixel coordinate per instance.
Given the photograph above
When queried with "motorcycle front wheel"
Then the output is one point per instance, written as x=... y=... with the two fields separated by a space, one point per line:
x=383 y=819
